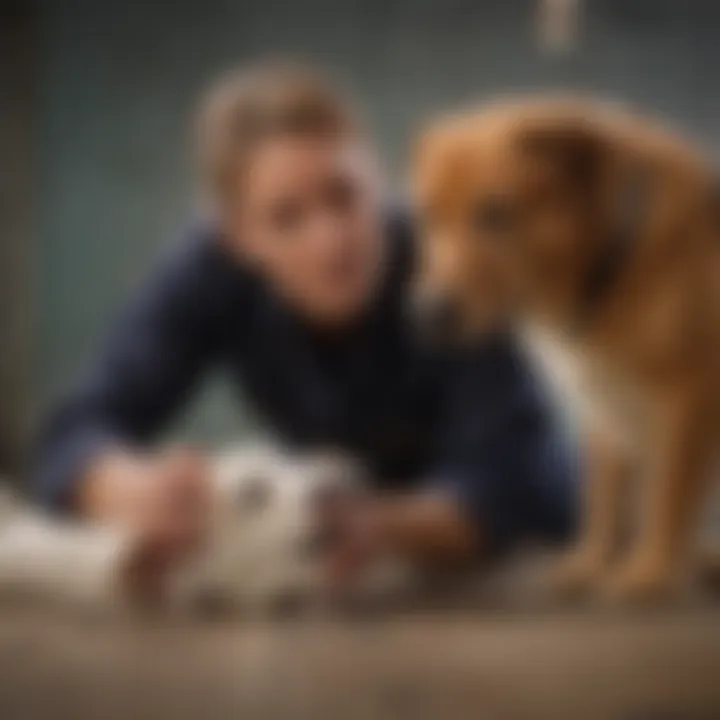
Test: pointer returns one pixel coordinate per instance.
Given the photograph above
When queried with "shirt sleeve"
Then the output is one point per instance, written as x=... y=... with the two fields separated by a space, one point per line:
x=146 y=369
x=503 y=451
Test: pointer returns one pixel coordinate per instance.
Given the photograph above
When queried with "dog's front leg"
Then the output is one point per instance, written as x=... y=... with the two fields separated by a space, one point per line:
x=608 y=465
x=679 y=451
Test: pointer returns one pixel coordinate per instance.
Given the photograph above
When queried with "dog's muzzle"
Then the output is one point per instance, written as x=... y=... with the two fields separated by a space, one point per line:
x=434 y=317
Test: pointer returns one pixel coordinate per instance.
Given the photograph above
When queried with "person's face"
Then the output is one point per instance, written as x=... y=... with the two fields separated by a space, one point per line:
x=307 y=217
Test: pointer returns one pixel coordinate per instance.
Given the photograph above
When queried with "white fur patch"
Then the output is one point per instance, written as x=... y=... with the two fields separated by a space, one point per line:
x=260 y=545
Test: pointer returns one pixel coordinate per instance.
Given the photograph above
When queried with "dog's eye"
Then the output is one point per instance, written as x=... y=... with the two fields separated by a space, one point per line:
x=254 y=493
x=494 y=216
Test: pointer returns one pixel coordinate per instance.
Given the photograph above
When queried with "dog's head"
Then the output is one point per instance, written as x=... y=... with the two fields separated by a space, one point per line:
x=269 y=541
x=508 y=202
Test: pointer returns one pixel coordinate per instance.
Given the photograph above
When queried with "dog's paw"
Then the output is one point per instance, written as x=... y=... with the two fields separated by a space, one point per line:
x=578 y=572
x=640 y=581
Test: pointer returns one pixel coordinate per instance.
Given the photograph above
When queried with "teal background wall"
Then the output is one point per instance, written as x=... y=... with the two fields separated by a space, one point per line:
x=118 y=80
x=17 y=212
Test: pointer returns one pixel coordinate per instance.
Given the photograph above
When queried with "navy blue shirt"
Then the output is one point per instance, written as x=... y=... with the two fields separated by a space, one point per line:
x=476 y=423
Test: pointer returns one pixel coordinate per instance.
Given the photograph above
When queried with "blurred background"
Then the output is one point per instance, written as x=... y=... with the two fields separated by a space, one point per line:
x=96 y=99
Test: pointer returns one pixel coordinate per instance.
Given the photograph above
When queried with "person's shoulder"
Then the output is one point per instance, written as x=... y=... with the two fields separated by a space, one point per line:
x=202 y=252
x=197 y=269
x=201 y=249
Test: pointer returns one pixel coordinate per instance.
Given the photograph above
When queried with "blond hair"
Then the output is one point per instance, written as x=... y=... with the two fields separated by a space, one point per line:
x=250 y=105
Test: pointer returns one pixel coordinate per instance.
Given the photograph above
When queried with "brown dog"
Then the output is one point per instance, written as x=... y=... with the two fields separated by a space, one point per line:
x=597 y=235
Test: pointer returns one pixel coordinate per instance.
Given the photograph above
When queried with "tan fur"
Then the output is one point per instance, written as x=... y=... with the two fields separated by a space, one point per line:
x=643 y=371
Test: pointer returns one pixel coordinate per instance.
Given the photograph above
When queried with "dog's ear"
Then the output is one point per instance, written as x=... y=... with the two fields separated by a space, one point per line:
x=568 y=142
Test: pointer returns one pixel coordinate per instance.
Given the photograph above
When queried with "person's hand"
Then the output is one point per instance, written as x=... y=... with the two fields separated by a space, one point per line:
x=162 y=499
x=356 y=533
x=425 y=528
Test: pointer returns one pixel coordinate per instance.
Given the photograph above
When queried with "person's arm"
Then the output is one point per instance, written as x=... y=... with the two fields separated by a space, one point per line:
x=505 y=470
x=505 y=460
x=429 y=527
x=95 y=439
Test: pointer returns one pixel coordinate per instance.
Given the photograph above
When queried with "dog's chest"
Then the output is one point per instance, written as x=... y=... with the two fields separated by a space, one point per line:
x=595 y=391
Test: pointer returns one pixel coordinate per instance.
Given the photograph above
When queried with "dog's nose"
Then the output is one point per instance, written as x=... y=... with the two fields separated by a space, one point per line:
x=434 y=316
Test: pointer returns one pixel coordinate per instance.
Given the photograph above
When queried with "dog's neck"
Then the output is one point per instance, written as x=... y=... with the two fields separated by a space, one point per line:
x=572 y=308
x=616 y=245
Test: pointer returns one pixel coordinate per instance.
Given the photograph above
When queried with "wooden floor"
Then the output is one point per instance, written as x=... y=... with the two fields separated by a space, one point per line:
x=428 y=665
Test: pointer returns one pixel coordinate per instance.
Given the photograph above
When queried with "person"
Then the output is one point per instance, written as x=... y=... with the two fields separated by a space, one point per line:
x=296 y=282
